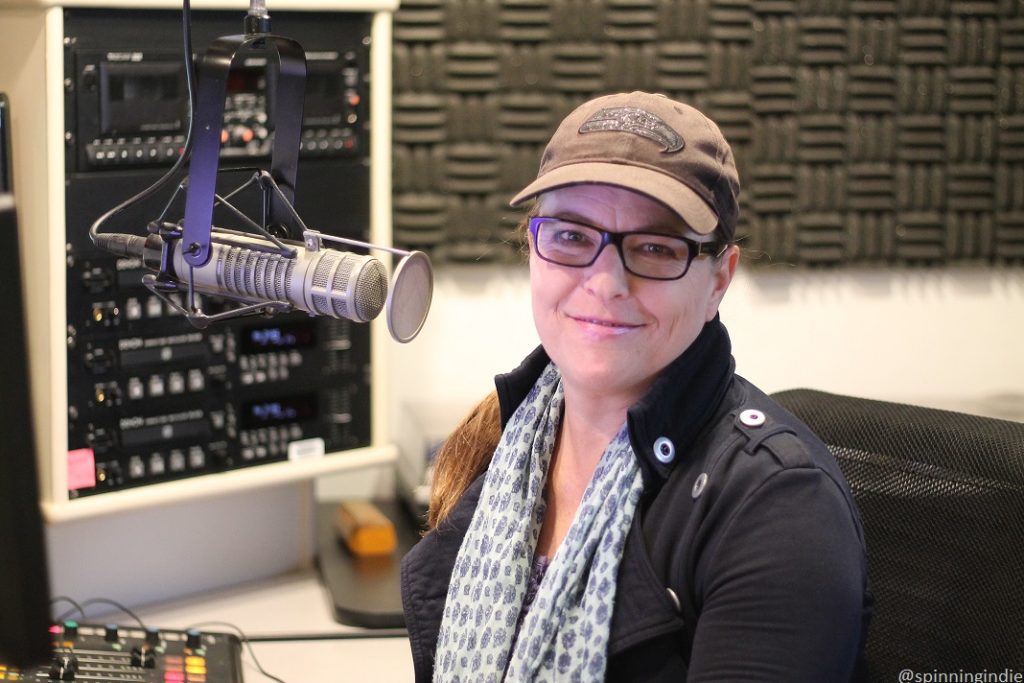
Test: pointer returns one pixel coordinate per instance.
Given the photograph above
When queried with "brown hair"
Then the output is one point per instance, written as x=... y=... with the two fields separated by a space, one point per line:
x=463 y=457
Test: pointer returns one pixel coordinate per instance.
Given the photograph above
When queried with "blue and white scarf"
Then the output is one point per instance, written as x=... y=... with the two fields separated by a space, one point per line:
x=564 y=636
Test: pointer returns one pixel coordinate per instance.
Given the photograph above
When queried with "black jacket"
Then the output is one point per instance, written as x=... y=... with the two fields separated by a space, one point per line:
x=745 y=560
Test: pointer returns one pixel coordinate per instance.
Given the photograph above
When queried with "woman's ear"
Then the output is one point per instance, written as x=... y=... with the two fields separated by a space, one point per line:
x=723 y=268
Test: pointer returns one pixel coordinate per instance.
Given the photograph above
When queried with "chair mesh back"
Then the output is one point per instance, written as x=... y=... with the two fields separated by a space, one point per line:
x=941 y=496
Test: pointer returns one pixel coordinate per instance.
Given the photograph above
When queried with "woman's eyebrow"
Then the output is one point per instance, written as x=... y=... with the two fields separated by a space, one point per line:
x=681 y=229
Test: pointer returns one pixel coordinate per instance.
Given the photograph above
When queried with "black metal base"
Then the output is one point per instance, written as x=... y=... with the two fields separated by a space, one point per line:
x=365 y=591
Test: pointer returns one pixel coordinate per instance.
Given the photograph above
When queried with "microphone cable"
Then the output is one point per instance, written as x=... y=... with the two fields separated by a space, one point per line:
x=186 y=32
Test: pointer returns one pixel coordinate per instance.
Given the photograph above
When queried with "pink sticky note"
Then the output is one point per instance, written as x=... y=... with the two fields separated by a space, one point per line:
x=81 y=469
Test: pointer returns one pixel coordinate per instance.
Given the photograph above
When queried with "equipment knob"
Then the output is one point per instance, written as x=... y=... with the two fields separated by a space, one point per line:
x=152 y=636
x=194 y=638
x=110 y=633
x=70 y=628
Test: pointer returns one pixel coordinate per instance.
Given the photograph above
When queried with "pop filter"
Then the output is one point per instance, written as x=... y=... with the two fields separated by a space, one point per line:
x=408 y=302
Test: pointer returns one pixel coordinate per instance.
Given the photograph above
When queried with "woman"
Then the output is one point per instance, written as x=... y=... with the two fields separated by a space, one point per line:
x=625 y=507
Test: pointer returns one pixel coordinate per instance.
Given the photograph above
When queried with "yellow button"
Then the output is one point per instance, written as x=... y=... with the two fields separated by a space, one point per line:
x=191 y=670
x=195 y=660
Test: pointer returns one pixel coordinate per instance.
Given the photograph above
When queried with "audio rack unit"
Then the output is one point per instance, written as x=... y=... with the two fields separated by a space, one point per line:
x=134 y=406
x=149 y=397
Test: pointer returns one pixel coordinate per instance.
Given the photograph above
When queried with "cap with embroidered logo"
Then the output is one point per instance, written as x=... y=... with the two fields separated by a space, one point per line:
x=650 y=144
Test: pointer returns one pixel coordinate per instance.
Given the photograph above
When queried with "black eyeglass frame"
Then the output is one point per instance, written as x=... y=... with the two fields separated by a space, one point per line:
x=695 y=249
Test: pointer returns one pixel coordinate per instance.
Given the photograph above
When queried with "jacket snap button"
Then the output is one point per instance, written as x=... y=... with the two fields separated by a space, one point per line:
x=675 y=599
x=664 y=450
x=752 y=418
x=698 y=486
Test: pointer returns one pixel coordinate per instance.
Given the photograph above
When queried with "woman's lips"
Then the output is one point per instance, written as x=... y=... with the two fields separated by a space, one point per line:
x=605 y=324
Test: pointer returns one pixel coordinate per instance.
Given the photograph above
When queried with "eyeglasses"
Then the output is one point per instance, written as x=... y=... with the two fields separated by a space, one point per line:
x=651 y=255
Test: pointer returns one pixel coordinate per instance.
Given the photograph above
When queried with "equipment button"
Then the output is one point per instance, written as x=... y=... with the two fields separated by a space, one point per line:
x=133 y=309
x=196 y=458
x=176 y=461
x=154 y=307
x=136 y=468
x=196 y=381
x=157 y=465
x=156 y=385
x=176 y=383
x=136 y=389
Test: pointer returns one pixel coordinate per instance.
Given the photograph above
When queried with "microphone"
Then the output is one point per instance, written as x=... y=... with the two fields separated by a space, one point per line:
x=329 y=282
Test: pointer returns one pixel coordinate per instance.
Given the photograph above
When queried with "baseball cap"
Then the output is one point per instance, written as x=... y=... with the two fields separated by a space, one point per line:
x=650 y=144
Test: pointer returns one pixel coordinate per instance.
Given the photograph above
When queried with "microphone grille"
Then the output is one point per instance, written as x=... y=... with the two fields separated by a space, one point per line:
x=371 y=290
x=338 y=273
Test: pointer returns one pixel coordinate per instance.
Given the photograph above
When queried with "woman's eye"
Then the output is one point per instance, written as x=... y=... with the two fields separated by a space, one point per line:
x=656 y=250
x=570 y=237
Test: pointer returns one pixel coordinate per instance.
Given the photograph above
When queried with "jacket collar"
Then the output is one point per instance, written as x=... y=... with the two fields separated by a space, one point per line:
x=666 y=421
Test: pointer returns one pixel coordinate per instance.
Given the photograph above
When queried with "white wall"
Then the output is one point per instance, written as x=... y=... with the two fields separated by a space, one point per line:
x=944 y=337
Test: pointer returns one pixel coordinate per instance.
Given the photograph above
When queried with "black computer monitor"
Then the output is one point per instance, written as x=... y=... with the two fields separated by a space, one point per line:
x=24 y=581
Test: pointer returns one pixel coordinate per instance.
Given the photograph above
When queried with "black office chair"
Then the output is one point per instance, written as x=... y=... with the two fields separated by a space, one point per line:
x=941 y=495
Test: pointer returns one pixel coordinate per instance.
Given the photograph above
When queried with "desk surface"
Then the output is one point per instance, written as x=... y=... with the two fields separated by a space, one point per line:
x=294 y=604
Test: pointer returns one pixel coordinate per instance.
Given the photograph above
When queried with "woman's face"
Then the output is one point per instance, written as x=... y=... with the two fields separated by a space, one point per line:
x=606 y=329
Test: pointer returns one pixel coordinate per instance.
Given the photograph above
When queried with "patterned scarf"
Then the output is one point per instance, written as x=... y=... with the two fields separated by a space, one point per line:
x=564 y=636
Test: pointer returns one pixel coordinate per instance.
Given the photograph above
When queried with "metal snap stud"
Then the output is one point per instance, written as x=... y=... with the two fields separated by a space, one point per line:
x=664 y=450
x=752 y=418
x=675 y=599
x=698 y=486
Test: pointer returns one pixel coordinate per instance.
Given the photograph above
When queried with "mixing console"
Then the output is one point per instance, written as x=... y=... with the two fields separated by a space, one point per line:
x=111 y=653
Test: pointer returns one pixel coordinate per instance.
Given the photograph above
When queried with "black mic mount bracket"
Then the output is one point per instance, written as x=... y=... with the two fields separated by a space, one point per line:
x=287 y=77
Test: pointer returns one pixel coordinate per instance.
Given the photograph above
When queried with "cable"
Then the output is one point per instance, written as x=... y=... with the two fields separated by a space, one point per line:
x=116 y=604
x=186 y=32
x=80 y=608
x=63 y=598
x=245 y=640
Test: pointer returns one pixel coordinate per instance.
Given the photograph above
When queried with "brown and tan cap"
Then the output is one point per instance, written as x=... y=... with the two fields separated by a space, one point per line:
x=650 y=144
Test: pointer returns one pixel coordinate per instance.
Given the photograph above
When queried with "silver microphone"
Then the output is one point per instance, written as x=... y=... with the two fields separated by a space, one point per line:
x=339 y=284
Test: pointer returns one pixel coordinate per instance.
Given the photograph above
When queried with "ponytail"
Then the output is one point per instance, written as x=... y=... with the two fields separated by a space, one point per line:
x=463 y=457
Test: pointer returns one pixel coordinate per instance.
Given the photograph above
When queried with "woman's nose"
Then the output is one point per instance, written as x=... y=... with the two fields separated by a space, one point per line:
x=607 y=277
